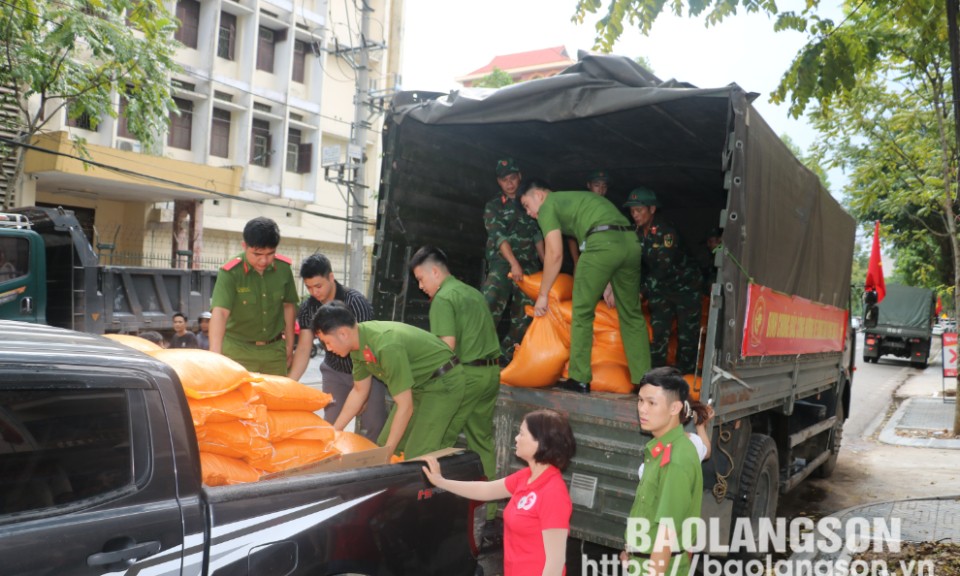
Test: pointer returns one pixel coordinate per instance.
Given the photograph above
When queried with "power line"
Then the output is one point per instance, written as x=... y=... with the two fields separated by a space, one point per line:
x=132 y=174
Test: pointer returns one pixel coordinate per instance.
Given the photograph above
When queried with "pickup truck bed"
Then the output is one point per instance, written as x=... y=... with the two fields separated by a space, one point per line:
x=100 y=473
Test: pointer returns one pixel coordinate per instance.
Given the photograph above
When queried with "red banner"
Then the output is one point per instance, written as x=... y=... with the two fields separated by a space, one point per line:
x=779 y=324
x=949 y=350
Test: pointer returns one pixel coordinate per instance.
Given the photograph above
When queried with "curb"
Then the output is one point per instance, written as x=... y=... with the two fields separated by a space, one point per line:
x=889 y=433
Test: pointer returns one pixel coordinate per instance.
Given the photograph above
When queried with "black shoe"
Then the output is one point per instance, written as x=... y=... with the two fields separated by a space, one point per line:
x=575 y=386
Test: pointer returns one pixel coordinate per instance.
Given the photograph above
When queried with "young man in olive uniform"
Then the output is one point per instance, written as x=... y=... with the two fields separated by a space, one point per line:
x=671 y=489
x=598 y=181
x=255 y=303
x=421 y=373
x=670 y=284
x=609 y=260
x=514 y=248
x=460 y=317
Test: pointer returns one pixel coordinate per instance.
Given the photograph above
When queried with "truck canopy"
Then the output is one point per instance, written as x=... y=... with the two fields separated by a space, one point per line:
x=709 y=156
x=907 y=307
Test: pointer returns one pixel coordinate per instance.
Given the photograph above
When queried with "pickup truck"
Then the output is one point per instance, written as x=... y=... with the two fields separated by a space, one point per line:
x=50 y=274
x=777 y=354
x=100 y=474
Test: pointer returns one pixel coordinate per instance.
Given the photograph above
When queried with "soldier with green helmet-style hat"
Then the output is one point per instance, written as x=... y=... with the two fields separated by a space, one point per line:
x=670 y=284
x=598 y=181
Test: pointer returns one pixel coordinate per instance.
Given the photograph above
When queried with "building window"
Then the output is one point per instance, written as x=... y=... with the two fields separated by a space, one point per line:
x=299 y=154
x=188 y=12
x=266 y=44
x=260 y=143
x=220 y=133
x=181 y=125
x=83 y=121
x=299 y=60
x=123 y=128
x=227 y=40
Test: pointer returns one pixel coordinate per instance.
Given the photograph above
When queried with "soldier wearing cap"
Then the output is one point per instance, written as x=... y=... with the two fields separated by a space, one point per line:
x=421 y=372
x=514 y=248
x=598 y=181
x=670 y=285
x=609 y=262
x=203 y=334
x=255 y=303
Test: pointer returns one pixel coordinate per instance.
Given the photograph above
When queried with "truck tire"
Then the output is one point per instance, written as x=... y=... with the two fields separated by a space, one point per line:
x=759 y=483
x=836 y=437
x=922 y=365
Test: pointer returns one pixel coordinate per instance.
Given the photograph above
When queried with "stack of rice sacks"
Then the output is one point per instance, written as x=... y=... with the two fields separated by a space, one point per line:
x=250 y=424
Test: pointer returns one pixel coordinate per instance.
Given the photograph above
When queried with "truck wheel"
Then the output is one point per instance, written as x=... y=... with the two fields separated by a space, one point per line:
x=759 y=483
x=919 y=365
x=833 y=444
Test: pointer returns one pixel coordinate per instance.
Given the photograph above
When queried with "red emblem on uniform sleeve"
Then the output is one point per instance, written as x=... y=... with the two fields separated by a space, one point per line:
x=661 y=449
x=368 y=355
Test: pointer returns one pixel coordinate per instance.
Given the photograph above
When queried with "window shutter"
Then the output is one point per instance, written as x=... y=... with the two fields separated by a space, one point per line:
x=304 y=158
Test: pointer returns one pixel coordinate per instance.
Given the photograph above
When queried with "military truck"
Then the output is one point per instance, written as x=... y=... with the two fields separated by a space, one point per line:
x=777 y=355
x=904 y=326
x=50 y=274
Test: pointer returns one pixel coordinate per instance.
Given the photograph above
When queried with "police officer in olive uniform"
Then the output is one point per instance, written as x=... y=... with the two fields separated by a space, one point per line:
x=421 y=372
x=670 y=284
x=514 y=248
x=609 y=265
x=255 y=303
x=671 y=489
x=460 y=317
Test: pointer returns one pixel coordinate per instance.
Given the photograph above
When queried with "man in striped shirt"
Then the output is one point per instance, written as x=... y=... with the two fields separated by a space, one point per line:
x=335 y=371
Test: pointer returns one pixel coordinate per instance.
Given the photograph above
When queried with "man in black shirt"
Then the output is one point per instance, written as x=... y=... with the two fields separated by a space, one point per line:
x=181 y=337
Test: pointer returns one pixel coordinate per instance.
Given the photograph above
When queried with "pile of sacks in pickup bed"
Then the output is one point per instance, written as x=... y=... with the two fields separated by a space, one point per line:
x=250 y=424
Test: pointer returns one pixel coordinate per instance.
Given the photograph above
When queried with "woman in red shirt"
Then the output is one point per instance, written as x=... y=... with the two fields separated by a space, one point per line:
x=536 y=521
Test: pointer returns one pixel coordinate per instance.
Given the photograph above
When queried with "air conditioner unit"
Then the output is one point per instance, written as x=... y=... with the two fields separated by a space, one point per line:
x=128 y=145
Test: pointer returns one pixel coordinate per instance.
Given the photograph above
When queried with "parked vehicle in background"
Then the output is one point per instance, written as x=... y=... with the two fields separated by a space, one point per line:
x=777 y=353
x=904 y=326
x=57 y=279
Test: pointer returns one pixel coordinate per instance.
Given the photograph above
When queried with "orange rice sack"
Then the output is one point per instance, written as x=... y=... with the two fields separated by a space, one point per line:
x=247 y=437
x=299 y=424
x=135 y=342
x=203 y=373
x=219 y=470
x=292 y=453
x=282 y=393
x=610 y=377
x=236 y=405
x=348 y=443
x=561 y=290
x=220 y=449
x=539 y=359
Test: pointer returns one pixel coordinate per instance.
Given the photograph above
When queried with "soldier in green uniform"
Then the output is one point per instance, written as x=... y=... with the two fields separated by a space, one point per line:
x=671 y=488
x=514 y=248
x=609 y=266
x=598 y=181
x=255 y=303
x=421 y=373
x=460 y=317
x=670 y=284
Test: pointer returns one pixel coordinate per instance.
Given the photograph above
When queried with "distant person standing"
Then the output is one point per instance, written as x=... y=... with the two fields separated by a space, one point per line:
x=182 y=338
x=255 y=303
x=336 y=371
x=460 y=317
x=514 y=248
x=203 y=336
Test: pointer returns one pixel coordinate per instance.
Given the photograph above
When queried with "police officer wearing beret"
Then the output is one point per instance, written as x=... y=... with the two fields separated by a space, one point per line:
x=670 y=284
x=255 y=303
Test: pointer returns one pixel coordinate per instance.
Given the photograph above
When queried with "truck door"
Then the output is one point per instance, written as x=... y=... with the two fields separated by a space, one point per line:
x=87 y=485
x=22 y=276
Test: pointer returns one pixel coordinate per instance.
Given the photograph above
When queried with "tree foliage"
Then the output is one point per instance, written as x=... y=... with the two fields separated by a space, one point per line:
x=80 y=54
x=496 y=79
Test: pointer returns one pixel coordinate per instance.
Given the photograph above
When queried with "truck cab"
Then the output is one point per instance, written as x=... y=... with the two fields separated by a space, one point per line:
x=23 y=274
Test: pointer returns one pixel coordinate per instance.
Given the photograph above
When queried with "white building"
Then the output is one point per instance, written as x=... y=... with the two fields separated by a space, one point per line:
x=265 y=86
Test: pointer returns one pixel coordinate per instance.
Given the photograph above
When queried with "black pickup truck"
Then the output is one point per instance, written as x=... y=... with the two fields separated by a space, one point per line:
x=100 y=474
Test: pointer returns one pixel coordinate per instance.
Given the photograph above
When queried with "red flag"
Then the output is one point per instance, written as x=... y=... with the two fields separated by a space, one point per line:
x=875 y=269
x=939 y=305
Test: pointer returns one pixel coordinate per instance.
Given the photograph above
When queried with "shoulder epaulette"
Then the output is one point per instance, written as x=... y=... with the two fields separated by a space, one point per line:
x=283 y=258
x=232 y=263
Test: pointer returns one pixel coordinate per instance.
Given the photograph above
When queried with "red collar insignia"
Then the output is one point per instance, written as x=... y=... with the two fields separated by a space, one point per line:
x=665 y=450
x=368 y=355
x=503 y=198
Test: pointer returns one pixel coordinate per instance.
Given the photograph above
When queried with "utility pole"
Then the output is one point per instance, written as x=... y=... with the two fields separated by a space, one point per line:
x=358 y=139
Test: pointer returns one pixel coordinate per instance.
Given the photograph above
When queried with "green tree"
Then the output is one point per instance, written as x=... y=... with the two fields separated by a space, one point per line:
x=496 y=79
x=79 y=54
